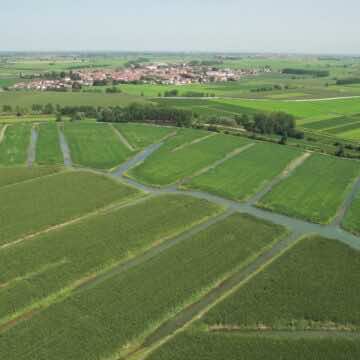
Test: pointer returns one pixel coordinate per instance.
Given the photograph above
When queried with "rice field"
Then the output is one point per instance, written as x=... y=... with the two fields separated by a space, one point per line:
x=62 y=259
x=110 y=317
x=95 y=145
x=166 y=167
x=17 y=174
x=15 y=144
x=351 y=221
x=48 y=151
x=29 y=207
x=245 y=174
x=141 y=136
x=315 y=190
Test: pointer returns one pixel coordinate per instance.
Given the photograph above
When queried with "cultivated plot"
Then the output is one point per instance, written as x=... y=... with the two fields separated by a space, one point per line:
x=15 y=144
x=141 y=136
x=315 y=190
x=95 y=145
x=167 y=165
x=111 y=317
x=29 y=207
x=351 y=221
x=205 y=345
x=312 y=287
x=61 y=259
x=17 y=174
x=48 y=151
x=243 y=175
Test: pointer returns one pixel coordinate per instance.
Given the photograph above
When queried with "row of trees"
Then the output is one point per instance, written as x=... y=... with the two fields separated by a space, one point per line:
x=311 y=72
x=146 y=113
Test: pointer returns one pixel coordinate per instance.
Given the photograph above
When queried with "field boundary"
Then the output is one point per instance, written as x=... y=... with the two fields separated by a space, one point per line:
x=32 y=146
x=196 y=141
x=122 y=137
x=2 y=132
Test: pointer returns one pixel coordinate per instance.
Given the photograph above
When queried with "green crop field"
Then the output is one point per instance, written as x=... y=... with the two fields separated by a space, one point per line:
x=201 y=345
x=246 y=173
x=219 y=232
x=95 y=145
x=352 y=218
x=26 y=99
x=15 y=174
x=141 y=136
x=48 y=149
x=165 y=167
x=110 y=315
x=14 y=146
x=31 y=270
x=29 y=207
x=312 y=287
x=315 y=190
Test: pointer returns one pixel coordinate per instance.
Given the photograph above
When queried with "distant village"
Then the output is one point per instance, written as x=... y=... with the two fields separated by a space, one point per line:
x=165 y=74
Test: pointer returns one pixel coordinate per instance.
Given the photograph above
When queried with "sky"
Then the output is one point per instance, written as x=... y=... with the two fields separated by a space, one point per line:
x=305 y=26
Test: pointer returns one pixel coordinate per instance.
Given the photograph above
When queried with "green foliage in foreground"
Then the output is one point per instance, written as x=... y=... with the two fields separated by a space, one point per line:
x=313 y=286
x=14 y=147
x=351 y=221
x=48 y=149
x=29 y=207
x=141 y=135
x=233 y=346
x=166 y=167
x=13 y=175
x=95 y=145
x=315 y=190
x=246 y=173
x=48 y=263
x=108 y=317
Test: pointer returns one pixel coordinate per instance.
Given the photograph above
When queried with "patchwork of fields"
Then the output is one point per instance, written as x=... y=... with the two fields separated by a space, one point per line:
x=95 y=265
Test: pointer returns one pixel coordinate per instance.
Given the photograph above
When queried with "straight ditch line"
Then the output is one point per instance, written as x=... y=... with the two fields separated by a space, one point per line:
x=64 y=148
x=32 y=146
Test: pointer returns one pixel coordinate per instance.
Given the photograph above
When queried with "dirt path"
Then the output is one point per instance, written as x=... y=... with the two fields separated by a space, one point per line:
x=64 y=148
x=32 y=146
x=347 y=203
x=2 y=132
x=286 y=173
x=121 y=137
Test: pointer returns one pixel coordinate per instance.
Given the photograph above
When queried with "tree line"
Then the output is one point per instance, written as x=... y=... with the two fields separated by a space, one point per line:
x=312 y=72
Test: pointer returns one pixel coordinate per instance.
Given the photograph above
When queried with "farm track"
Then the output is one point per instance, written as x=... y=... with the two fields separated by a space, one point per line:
x=219 y=162
x=286 y=173
x=191 y=313
x=32 y=146
x=121 y=137
x=2 y=132
x=64 y=148
x=347 y=203
x=104 y=210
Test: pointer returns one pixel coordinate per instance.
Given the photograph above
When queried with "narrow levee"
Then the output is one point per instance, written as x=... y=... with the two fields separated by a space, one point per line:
x=122 y=137
x=2 y=132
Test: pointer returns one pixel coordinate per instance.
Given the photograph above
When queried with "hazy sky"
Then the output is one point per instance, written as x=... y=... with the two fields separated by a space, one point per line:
x=315 y=26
